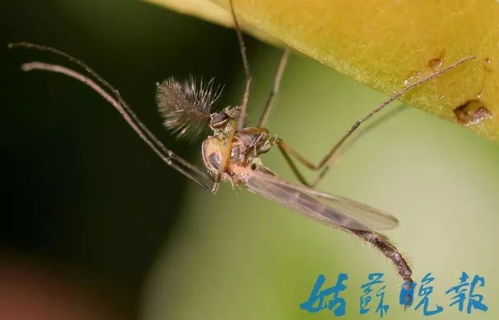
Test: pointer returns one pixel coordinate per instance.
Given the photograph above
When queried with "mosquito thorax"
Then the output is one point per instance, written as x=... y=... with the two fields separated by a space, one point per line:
x=245 y=145
x=245 y=148
x=241 y=157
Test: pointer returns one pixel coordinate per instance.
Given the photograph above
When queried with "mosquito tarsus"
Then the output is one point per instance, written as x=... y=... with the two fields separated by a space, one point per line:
x=232 y=152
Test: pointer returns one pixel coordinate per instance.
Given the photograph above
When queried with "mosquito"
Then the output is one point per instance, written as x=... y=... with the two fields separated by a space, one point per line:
x=231 y=153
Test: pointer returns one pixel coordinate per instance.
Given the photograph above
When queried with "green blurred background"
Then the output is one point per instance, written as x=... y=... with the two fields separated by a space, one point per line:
x=87 y=204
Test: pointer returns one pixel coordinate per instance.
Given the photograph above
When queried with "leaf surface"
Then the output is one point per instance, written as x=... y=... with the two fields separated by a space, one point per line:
x=386 y=44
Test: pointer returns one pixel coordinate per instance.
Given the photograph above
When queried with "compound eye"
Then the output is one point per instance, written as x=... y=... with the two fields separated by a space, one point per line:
x=214 y=160
x=218 y=120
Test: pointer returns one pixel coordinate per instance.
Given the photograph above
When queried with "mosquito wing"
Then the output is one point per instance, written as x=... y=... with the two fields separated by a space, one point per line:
x=323 y=207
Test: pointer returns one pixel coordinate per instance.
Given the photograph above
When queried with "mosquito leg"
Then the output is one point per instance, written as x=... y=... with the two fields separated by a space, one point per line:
x=100 y=80
x=288 y=154
x=292 y=164
x=124 y=109
x=275 y=88
x=165 y=154
x=321 y=176
x=291 y=151
x=326 y=160
x=324 y=164
x=247 y=73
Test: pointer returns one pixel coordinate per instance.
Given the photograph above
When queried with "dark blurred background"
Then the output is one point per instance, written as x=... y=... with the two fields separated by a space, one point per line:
x=81 y=194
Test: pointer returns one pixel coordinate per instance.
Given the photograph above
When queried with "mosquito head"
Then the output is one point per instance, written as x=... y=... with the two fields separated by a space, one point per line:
x=219 y=120
x=186 y=106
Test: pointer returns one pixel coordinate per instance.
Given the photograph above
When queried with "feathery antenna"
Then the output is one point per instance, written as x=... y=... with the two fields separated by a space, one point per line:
x=186 y=106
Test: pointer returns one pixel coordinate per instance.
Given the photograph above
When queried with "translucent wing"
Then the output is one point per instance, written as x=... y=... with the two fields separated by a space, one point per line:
x=323 y=207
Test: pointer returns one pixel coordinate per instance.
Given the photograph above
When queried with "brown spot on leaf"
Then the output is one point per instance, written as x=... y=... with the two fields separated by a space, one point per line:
x=472 y=112
x=488 y=65
x=435 y=62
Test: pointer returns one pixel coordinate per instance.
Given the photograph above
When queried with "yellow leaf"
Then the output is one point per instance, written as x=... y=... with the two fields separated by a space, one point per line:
x=386 y=43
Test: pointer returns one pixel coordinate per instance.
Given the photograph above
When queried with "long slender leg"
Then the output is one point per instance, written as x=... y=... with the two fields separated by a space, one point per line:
x=324 y=164
x=124 y=108
x=247 y=73
x=100 y=80
x=275 y=88
x=241 y=123
x=288 y=152
x=285 y=154
x=164 y=153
